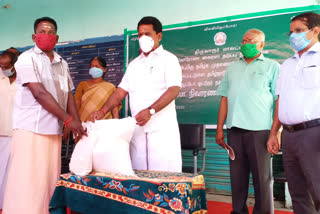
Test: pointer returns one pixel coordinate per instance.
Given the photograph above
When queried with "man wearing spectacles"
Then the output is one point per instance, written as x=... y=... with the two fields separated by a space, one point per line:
x=247 y=99
x=298 y=87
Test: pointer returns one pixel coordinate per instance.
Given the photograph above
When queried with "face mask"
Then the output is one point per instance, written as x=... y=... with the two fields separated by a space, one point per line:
x=298 y=41
x=95 y=72
x=249 y=50
x=7 y=72
x=146 y=43
x=46 y=42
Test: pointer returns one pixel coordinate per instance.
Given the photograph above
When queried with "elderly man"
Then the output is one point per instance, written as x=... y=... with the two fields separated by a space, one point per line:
x=153 y=81
x=7 y=92
x=298 y=88
x=248 y=97
x=43 y=103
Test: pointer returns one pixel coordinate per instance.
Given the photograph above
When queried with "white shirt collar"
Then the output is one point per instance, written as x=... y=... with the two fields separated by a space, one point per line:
x=56 y=57
x=157 y=51
x=313 y=48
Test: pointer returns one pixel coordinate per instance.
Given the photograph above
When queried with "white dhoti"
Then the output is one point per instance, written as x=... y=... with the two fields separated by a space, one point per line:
x=5 y=144
x=157 y=150
x=35 y=165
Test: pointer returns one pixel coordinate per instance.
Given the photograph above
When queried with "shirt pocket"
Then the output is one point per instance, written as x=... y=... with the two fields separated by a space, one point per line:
x=311 y=77
x=257 y=80
x=157 y=77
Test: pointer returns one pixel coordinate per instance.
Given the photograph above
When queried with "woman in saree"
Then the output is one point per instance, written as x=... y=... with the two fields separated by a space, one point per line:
x=93 y=93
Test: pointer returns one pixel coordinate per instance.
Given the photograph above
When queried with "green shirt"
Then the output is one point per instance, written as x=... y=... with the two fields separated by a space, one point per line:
x=250 y=89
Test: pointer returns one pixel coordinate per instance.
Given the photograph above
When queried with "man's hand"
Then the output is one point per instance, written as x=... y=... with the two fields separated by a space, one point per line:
x=273 y=144
x=143 y=117
x=220 y=138
x=77 y=129
x=66 y=135
x=96 y=115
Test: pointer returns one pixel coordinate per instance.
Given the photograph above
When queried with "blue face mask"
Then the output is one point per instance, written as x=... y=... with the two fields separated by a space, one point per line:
x=298 y=41
x=96 y=72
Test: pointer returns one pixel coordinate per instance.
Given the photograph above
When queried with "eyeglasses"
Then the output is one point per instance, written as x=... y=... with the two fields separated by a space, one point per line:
x=299 y=30
x=250 y=41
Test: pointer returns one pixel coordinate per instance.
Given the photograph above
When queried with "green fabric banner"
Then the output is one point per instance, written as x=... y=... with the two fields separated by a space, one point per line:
x=205 y=49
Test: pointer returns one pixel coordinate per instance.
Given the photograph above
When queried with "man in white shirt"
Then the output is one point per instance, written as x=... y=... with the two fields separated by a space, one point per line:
x=43 y=103
x=153 y=81
x=298 y=87
x=7 y=92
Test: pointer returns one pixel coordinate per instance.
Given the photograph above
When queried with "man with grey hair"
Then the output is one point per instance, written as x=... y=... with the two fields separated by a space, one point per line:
x=247 y=98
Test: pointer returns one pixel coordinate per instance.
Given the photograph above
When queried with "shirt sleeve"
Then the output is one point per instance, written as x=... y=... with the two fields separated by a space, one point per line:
x=25 y=67
x=173 y=72
x=70 y=82
x=124 y=84
x=278 y=83
x=223 y=86
x=275 y=74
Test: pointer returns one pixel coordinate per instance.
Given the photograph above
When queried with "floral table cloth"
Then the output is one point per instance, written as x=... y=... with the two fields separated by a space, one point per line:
x=147 y=192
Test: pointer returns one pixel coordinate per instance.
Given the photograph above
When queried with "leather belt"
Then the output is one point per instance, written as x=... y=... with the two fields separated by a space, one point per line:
x=301 y=126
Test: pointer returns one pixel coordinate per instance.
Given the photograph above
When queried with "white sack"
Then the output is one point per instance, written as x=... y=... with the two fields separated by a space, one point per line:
x=111 y=152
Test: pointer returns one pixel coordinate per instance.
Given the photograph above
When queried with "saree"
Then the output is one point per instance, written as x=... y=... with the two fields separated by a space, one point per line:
x=92 y=98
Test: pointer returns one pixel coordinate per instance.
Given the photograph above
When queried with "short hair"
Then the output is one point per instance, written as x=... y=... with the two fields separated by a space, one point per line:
x=311 y=19
x=150 y=20
x=14 y=49
x=259 y=33
x=45 y=19
x=13 y=57
x=101 y=61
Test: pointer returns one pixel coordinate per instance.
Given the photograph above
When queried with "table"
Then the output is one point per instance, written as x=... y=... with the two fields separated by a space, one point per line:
x=147 y=192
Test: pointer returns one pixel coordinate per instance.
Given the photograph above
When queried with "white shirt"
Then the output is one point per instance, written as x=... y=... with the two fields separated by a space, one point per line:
x=298 y=87
x=7 y=92
x=146 y=79
x=35 y=66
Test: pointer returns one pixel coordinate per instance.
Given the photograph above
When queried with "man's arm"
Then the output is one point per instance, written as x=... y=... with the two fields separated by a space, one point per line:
x=49 y=103
x=273 y=144
x=113 y=101
x=222 y=115
x=167 y=97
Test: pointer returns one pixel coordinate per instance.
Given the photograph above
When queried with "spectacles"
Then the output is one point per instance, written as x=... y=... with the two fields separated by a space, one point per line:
x=299 y=30
x=250 y=41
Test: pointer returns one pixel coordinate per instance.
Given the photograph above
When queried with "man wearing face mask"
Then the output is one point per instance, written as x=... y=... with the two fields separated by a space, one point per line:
x=153 y=81
x=298 y=87
x=247 y=99
x=43 y=104
x=7 y=92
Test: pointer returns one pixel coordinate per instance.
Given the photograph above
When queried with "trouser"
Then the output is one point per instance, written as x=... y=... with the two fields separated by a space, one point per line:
x=157 y=150
x=5 y=144
x=301 y=161
x=251 y=155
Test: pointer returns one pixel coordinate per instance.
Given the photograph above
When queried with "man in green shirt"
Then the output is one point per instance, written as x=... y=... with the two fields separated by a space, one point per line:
x=247 y=99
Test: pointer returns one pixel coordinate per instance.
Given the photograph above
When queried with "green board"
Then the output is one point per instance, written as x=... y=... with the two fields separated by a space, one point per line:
x=206 y=48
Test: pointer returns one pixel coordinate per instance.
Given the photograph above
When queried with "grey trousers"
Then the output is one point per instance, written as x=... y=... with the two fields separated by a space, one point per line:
x=251 y=156
x=301 y=162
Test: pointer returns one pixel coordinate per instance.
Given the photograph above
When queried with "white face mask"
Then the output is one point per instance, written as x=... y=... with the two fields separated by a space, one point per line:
x=146 y=43
x=7 y=72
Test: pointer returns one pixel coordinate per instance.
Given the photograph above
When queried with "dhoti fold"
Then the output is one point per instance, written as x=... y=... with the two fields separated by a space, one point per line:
x=35 y=166
x=5 y=144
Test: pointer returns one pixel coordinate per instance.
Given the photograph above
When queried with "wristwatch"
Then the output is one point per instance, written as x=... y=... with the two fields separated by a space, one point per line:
x=151 y=111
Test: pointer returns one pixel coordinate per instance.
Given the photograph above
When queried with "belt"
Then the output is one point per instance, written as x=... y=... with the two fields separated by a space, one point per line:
x=301 y=126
